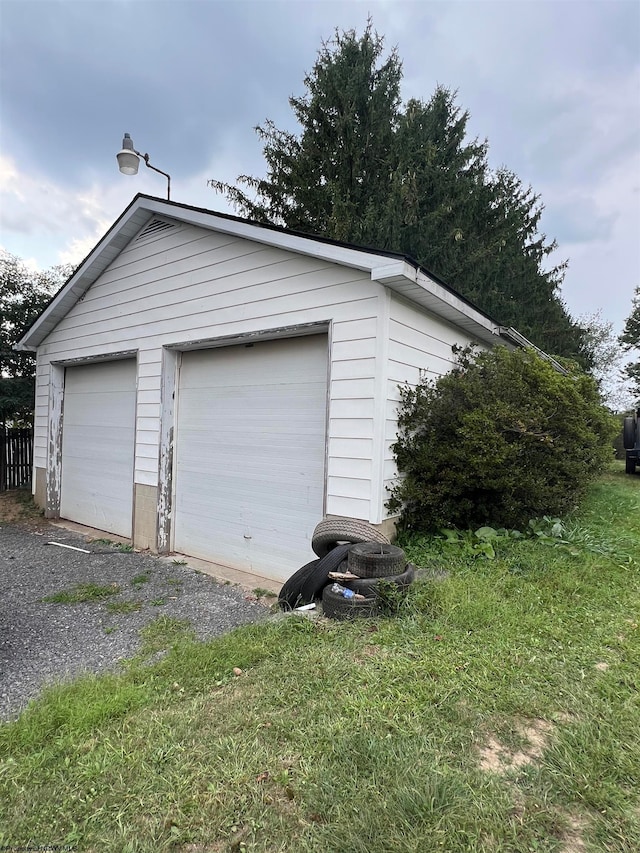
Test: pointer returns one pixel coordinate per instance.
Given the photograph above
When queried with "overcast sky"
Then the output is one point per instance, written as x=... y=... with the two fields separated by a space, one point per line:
x=553 y=86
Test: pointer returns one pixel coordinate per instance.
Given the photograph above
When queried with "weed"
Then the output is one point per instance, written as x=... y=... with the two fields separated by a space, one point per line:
x=125 y=547
x=158 y=602
x=483 y=542
x=124 y=606
x=162 y=633
x=486 y=542
x=179 y=562
x=142 y=578
x=25 y=498
x=18 y=505
x=81 y=593
x=391 y=598
x=260 y=592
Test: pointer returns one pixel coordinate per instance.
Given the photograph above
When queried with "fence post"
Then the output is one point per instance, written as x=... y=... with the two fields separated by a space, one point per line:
x=3 y=459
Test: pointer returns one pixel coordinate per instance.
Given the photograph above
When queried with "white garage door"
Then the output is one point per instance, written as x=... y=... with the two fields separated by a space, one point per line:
x=250 y=452
x=98 y=431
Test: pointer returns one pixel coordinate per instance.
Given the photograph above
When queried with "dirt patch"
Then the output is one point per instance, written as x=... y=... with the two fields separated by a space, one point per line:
x=17 y=507
x=496 y=757
x=601 y=666
x=493 y=756
x=572 y=839
x=368 y=652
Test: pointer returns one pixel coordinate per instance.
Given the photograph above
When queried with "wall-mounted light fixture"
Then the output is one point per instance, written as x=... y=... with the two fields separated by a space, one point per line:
x=129 y=160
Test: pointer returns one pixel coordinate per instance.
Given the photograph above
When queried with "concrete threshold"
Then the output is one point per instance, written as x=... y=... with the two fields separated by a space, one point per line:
x=90 y=532
x=226 y=574
x=248 y=581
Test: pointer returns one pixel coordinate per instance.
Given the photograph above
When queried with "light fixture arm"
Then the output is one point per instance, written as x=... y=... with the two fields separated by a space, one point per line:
x=145 y=157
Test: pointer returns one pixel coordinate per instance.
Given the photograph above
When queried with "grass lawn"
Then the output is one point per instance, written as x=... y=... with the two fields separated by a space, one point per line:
x=497 y=711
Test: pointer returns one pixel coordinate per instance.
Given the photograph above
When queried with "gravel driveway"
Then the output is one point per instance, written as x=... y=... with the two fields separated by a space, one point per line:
x=42 y=642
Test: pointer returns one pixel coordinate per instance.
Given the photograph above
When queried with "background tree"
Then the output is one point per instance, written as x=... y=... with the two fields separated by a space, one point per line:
x=630 y=340
x=606 y=355
x=23 y=295
x=364 y=169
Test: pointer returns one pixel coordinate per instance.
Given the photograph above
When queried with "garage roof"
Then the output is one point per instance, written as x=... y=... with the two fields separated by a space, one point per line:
x=398 y=272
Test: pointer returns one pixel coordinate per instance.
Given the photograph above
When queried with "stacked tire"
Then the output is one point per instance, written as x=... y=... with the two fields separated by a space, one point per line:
x=348 y=545
x=334 y=531
x=379 y=567
x=331 y=541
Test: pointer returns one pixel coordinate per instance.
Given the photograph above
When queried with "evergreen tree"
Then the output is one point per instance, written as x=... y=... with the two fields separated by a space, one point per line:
x=331 y=178
x=511 y=283
x=438 y=190
x=477 y=230
x=364 y=170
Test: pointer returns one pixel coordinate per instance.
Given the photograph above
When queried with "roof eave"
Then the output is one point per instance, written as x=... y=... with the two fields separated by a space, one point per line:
x=416 y=285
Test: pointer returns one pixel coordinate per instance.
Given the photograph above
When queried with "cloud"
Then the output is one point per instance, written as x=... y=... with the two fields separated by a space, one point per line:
x=553 y=86
x=604 y=270
x=34 y=210
x=65 y=224
x=592 y=125
x=32 y=204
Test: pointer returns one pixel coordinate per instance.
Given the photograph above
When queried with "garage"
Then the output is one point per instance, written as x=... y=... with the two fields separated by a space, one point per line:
x=250 y=453
x=98 y=437
x=268 y=373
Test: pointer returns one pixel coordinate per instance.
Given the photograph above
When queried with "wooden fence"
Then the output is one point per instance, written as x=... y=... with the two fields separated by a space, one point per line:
x=16 y=458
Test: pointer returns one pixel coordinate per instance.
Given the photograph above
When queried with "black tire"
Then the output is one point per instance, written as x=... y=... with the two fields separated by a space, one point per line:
x=312 y=589
x=289 y=596
x=629 y=434
x=376 y=560
x=369 y=586
x=330 y=531
x=630 y=465
x=335 y=606
x=307 y=583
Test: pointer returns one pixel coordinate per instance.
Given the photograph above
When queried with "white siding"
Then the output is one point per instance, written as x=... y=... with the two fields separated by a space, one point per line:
x=41 y=413
x=353 y=390
x=189 y=285
x=419 y=346
x=149 y=385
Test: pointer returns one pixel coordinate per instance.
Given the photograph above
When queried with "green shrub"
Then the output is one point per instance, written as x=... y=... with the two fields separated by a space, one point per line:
x=500 y=439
